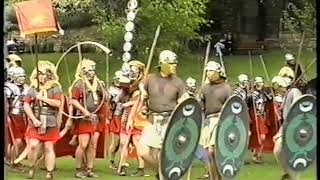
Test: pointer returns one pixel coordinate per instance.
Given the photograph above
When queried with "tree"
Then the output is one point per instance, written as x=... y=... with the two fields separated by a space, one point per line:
x=180 y=20
x=300 y=16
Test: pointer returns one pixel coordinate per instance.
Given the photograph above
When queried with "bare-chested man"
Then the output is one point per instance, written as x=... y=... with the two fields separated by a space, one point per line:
x=291 y=95
x=88 y=90
x=42 y=110
x=164 y=90
x=213 y=96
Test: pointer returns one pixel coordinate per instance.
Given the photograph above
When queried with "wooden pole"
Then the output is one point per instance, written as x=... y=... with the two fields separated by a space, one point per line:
x=206 y=59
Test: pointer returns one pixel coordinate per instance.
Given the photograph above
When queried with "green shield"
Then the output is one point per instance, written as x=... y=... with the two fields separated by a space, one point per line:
x=232 y=137
x=181 y=139
x=299 y=142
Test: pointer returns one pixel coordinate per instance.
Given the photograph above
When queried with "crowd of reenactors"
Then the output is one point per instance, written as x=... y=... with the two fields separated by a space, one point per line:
x=44 y=123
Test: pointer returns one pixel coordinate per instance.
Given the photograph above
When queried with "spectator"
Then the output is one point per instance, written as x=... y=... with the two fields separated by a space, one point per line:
x=220 y=46
x=229 y=44
x=12 y=46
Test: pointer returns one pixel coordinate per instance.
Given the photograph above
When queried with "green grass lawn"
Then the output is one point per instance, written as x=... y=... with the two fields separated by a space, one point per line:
x=189 y=65
x=268 y=171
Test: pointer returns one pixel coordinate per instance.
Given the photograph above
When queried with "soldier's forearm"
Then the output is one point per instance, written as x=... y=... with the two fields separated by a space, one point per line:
x=78 y=106
x=29 y=112
x=52 y=102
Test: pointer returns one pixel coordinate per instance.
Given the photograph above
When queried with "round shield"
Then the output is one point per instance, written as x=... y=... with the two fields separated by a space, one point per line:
x=129 y=26
x=181 y=139
x=127 y=46
x=132 y=4
x=232 y=137
x=131 y=15
x=126 y=57
x=299 y=143
x=128 y=36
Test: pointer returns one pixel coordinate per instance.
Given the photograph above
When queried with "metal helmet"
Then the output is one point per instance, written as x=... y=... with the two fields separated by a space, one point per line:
x=117 y=74
x=276 y=79
x=285 y=82
x=10 y=73
x=137 y=64
x=258 y=79
x=289 y=57
x=213 y=66
x=120 y=77
x=243 y=77
x=286 y=72
x=167 y=56
x=167 y=62
x=87 y=64
x=19 y=71
x=190 y=82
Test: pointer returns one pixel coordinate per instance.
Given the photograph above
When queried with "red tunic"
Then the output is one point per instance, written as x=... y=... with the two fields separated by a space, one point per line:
x=18 y=126
x=266 y=127
x=87 y=127
x=52 y=133
x=115 y=124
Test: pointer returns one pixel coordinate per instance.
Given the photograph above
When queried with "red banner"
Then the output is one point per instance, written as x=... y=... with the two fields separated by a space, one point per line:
x=37 y=17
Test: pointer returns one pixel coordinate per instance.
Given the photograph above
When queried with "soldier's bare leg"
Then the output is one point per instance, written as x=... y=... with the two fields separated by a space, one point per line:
x=17 y=149
x=151 y=156
x=124 y=143
x=213 y=170
x=50 y=158
x=33 y=153
x=91 y=153
x=257 y=155
x=288 y=174
x=80 y=152
x=135 y=140
x=113 y=149
x=24 y=153
x=8 y=153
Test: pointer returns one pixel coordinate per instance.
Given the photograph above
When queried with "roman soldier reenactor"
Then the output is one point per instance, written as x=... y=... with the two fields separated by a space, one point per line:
x=134 y=118
x=259 y=122
x=88 y=90
x=163 y=90
x=41 y=104
x=192 y=90
x=291 y=95
x=118 y=93
x=243 y=89
x=16 y=118
x=213 y=96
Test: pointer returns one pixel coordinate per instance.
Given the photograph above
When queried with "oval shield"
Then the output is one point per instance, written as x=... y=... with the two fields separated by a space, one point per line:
x=232 y=137
x=181 y=139
x=299 y=143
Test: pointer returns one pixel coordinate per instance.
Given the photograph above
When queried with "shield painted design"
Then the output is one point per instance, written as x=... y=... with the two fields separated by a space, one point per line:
x=299 y=142
x=232 y=137
x=181 y=139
